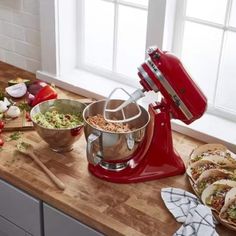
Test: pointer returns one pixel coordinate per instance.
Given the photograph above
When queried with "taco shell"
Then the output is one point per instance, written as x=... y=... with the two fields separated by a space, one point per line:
x=217 y=153
x=228 y=211
x=214 y=195
x=195 y=169
x=208 y=177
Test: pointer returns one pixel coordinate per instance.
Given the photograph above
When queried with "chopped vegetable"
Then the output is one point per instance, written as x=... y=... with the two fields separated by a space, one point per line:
x=13 y=111
x=23 y=145
x=24 y=106
x=1 y=124
x=46 y=93
x=36 y=86
x=15 y=136
x=17 y=81
x=27 y=116
x=29 y=98
x=1 y=142
x=17 y=90
x=3 y=106
x=54 y=119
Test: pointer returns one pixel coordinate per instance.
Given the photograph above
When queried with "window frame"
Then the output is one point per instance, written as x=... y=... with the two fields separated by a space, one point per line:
x=212 y=109
x=59 y=60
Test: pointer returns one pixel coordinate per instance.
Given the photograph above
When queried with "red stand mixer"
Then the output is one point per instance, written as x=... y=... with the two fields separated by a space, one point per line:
x=155 y=156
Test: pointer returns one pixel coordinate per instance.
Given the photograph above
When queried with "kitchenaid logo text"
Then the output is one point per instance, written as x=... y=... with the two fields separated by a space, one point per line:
x=153 y=66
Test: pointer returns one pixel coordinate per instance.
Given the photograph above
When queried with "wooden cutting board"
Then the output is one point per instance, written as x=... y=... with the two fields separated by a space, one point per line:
x=18 y=124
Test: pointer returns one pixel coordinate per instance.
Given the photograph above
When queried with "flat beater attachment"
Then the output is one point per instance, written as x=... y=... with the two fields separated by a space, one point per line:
x=112 y=114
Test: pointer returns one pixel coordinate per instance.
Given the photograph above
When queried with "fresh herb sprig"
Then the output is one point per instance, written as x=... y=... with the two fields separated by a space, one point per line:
x=15 y=136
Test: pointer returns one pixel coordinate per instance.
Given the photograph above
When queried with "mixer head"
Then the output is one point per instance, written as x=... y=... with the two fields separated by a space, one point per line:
x=162 y=71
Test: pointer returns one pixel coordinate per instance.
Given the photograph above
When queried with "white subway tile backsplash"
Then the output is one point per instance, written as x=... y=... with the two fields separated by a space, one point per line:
x=32 y=36
x=2 y=55
x=13 y=4
x=20 y=33
x=15 y=59
x=6 y=42
x=27 y=50
x=27 y=20
x=5 y=14
x=1 y=32
x=31 y=6
x=13 y=31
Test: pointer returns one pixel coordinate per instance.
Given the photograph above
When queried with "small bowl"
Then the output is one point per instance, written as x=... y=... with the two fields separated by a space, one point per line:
x=59 y=139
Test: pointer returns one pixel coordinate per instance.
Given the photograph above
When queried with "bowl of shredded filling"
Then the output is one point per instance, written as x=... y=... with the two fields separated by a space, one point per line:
x=113 y=141
x=59 y=122
x=99 y=122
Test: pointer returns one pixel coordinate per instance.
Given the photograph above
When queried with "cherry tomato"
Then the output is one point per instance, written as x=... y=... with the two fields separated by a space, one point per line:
x=1 y=142
x=27 y=116
x=2 y=124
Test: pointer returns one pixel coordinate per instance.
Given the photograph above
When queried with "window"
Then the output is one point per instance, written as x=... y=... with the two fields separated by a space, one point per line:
x=201 y=32
x=113 y=37
x=205 y=40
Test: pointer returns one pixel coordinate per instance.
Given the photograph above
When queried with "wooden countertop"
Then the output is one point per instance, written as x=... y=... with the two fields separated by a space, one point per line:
x=113 y=209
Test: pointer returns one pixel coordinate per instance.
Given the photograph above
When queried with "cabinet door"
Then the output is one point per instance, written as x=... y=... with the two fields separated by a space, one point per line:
x=20 y=208
x=9 y=229
x=57 y=223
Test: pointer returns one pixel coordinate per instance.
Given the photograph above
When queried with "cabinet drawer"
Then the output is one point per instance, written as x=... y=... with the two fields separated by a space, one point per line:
x=57 y=223
x=20 y=208
x=9 y=229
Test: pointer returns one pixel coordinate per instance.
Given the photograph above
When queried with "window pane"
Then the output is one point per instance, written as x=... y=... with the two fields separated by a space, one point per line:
x=98 y=38
x=131 y=40
x=200 y=54
x=226 y=96
x=210 y=10
x=232 y=20
x=140 y=2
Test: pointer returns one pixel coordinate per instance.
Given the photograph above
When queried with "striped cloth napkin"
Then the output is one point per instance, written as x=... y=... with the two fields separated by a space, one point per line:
x=197 y=218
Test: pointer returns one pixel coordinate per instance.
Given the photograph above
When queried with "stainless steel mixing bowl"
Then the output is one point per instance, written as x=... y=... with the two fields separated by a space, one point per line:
x=59 y=140
x=104 y=146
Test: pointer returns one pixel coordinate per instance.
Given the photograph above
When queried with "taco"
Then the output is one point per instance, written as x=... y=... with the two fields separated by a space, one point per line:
x=208 y=177
x=195 y=169
x=214 y=195
x=228 y=211
x=214 y=152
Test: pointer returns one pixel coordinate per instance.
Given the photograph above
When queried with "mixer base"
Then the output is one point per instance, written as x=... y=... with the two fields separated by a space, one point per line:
x=157 y=157
x=140 y=173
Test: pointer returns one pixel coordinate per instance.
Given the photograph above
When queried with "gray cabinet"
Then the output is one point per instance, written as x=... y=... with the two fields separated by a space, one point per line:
x=23 y=215
x=9 y=229
x=19 y=212
x=57 y=223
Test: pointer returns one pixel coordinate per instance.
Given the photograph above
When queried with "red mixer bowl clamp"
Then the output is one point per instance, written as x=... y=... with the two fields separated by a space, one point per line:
x=182 y=99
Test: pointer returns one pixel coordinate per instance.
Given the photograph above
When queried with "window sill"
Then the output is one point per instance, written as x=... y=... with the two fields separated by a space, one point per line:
x=209 y=128
x=84 y=83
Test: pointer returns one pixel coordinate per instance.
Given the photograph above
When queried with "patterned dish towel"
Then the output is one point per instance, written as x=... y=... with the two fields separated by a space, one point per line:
x=197 y=218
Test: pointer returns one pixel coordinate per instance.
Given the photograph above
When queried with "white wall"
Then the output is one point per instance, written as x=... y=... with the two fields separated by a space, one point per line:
x=20 y=33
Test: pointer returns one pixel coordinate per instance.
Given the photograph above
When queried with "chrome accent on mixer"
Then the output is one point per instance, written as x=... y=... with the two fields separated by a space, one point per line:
x=147 y=78
x=113 y=166
x=92 y=158
x=169 y=89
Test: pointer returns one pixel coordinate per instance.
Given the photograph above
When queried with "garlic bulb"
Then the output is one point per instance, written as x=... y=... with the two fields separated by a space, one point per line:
x=3 y=106
x=13 y=111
